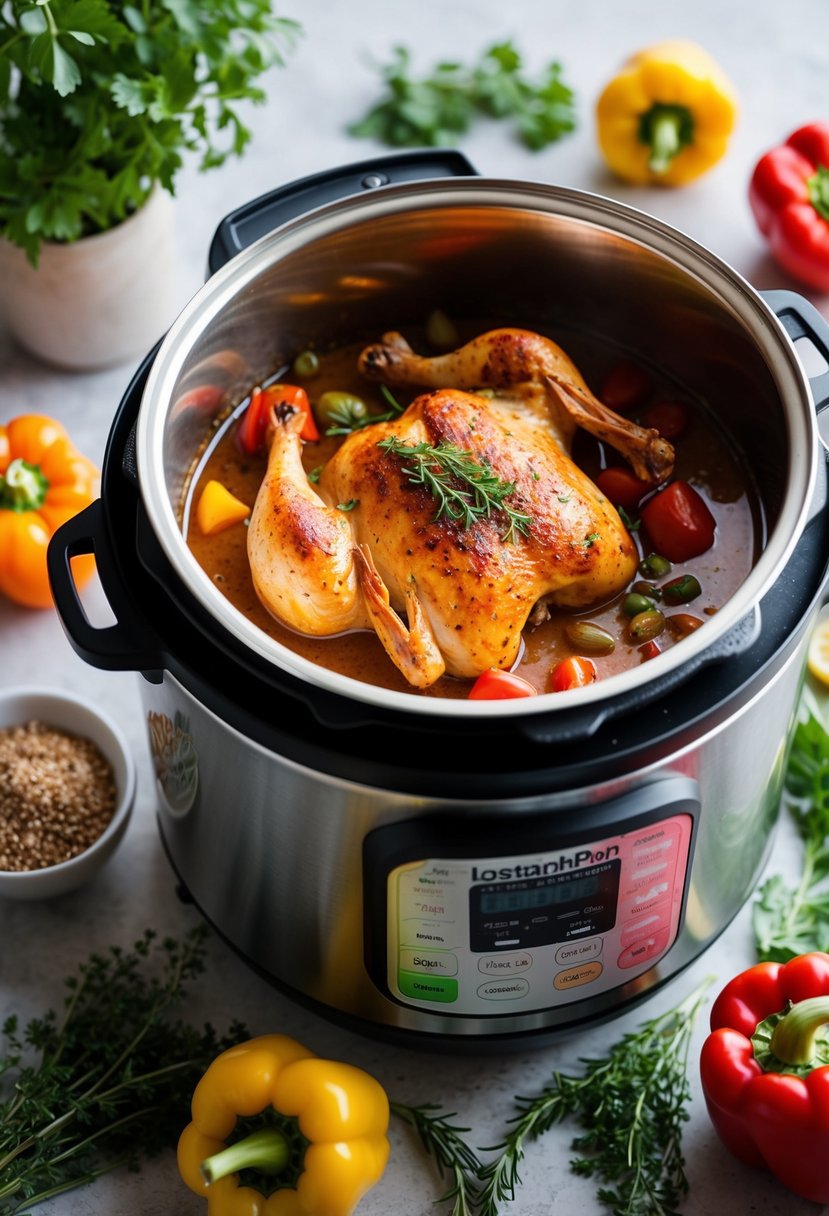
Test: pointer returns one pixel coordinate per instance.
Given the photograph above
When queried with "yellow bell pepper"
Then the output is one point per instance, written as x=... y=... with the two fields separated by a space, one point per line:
x=320 y=1135
x=218 y=509
x=668 y=115
x=44 y=481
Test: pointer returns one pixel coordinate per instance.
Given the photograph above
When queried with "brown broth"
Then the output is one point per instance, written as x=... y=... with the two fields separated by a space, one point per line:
x=703 y=457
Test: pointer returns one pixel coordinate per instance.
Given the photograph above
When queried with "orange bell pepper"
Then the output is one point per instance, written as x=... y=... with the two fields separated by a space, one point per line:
x=44 y=481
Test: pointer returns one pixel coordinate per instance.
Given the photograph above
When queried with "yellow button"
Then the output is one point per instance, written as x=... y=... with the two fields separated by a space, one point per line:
x=574 y=977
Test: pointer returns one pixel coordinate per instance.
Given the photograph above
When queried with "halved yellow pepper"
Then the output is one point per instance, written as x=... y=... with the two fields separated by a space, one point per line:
x=323 y=1132
x=667 y=117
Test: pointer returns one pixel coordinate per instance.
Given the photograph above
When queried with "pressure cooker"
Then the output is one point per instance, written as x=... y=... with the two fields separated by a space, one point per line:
x=446 y=872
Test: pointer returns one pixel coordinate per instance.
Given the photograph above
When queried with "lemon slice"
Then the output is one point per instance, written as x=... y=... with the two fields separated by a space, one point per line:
x=818 y=660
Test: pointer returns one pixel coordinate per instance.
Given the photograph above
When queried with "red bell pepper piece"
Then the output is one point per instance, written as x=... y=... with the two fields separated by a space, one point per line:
x=765 y=1071
x=254 y=424
x=789 y=195
x=574 y=672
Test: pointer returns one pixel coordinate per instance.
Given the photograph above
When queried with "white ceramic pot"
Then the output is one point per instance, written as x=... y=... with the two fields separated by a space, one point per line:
x=98 y=301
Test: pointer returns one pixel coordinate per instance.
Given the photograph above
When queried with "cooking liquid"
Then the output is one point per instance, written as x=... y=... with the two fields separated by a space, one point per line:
x=703 y=457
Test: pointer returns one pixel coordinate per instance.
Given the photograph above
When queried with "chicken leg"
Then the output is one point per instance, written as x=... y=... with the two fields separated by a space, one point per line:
x=526 y=365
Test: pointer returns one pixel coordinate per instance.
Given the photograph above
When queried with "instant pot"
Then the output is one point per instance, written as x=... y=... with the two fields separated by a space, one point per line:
x=450 y=872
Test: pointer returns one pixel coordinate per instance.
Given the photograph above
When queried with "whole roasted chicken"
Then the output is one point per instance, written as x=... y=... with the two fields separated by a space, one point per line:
x=443 y=528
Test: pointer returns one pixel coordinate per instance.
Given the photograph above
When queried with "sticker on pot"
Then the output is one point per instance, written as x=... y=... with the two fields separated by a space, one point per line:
x=175 y=760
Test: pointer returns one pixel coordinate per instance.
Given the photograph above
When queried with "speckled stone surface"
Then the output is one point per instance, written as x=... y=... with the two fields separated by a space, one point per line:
x=777 y=55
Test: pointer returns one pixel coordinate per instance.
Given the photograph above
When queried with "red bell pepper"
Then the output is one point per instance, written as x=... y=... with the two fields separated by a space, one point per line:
x=765 y=1071
x=789 y=195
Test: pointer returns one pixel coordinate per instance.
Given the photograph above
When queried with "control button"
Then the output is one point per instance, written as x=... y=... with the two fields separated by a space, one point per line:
x=504 y=990
x=427 y=988
x=425 y=933
x=430 y=962
x=504 y=964
x=644 y=927
x=576 y=976
x=644 y=951
x=579 y=952
x=372 y=180
x=638 y=907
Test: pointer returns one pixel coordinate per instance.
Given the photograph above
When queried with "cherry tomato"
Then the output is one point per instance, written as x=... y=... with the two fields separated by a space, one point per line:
x=625 y=386
x=497 y=685
x=622 y=487
x=574 y=672
x=670 y=418
x=648 y=650
x=678 y=522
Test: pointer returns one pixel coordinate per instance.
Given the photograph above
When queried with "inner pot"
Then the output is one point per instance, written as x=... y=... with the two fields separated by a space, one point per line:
x=578 y=267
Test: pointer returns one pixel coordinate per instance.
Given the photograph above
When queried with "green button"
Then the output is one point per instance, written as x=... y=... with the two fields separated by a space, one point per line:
x=427 y=987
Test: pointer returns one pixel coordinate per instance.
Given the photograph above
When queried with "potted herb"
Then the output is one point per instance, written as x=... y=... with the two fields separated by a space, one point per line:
x=101 y=101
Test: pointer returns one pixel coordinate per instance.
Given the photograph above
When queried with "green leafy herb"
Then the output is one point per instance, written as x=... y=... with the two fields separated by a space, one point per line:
x=632 y=525
x=444 y=1141
x=464 y=489
x=791 y=921
x=436 y=109
x=346 y=420
x=315 y=474
x=632 y=1105
x=109 y=1082
x=101 y=99
x=348 y=506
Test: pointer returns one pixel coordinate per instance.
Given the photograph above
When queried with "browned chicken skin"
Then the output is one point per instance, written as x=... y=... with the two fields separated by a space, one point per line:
x=443 y=597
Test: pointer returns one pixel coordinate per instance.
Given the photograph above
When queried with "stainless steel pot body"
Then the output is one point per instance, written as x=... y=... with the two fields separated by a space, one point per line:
x=457 y=871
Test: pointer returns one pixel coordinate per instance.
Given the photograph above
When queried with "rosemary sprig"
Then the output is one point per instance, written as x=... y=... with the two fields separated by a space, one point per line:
x=464 y=489
x=109 y=1083
x=444 y=1141
x=791 y=921
x=632 y=1104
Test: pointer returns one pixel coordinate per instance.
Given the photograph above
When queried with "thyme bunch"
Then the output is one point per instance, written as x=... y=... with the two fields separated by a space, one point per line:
x=464 y=489
x=109 y=1081
x=632 y=1105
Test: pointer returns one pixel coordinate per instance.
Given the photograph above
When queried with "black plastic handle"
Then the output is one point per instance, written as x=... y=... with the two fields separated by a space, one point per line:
x=801 y=319
x=129 y=644
x=255 y=219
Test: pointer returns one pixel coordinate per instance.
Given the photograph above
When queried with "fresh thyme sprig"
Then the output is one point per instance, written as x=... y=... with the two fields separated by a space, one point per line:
x=444 y=1141
x=632 y=1105
x=791 y=921
x=114 y=1077
x=464 y=489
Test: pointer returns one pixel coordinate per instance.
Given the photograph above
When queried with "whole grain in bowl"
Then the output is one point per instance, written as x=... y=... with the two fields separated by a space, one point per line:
x=57 y=796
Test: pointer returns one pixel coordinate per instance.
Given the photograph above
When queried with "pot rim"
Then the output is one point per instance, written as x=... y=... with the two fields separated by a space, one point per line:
x=694 y=260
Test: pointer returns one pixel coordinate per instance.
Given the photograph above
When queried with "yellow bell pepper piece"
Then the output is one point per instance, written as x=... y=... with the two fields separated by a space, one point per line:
x=218 y=509
x=668 y=115
x=340 y=1112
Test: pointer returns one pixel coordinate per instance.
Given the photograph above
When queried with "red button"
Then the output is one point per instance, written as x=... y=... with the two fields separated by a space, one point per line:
x=642 y=952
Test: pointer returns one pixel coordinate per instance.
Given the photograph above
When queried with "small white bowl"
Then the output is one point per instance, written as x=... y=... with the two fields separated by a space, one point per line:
x=64 y=711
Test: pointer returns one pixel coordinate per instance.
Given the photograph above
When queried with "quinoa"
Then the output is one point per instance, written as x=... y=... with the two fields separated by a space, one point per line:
x=57 y=795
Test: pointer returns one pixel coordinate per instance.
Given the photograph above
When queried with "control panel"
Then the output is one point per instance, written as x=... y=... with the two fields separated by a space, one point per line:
x=501 y=931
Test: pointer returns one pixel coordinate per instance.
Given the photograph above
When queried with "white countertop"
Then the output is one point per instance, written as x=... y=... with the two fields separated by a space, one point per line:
x=777 y=56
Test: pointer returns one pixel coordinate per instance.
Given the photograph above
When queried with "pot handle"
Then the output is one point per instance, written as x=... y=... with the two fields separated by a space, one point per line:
x=801 y=319
x=255 y=219
x=129 y=644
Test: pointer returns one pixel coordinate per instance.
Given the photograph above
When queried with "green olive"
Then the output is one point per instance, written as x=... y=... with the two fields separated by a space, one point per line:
x=682 y=590
x=635 y=603
x=587 y=635
x=338 y=409
x=440 y=331
x=646 y=625
x=306 y=365
x=654 y=566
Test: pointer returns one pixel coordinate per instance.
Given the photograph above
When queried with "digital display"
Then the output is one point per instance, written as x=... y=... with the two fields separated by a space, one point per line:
x=539 y=897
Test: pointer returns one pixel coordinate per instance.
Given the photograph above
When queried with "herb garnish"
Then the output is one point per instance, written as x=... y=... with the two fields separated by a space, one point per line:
x=348 y=506
x=632 y=1105
x=346 y=420
x=439 y=468
x=437 y=108
x=444 y=1141
x=115 y=1073
x=787 y=921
